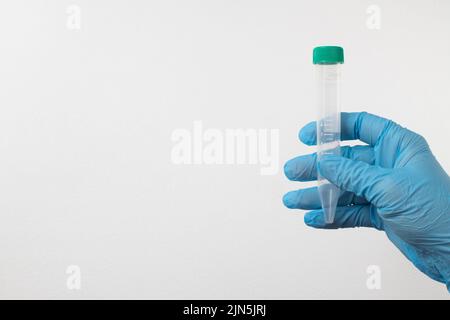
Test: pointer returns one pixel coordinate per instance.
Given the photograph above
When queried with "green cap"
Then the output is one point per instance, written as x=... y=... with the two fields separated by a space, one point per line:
x=328 y=55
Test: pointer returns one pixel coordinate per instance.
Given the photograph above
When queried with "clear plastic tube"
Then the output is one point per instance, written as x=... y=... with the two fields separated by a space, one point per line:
x=328 y=130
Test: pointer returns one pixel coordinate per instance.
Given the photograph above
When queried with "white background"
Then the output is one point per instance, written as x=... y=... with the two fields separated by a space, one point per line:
x=86 y=118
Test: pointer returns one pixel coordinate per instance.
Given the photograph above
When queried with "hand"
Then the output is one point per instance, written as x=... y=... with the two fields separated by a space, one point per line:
x=393 y=184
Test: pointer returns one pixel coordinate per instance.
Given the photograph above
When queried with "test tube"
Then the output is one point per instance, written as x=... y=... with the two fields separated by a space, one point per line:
x=327 y=62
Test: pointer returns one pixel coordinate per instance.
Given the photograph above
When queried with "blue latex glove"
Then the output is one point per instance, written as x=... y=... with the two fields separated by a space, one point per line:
x=393 y=184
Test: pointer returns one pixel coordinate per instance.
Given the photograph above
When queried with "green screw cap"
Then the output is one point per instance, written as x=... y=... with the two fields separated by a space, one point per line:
x=328 y=55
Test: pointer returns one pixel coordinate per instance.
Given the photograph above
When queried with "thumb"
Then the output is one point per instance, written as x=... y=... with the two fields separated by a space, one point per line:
x=355 y=176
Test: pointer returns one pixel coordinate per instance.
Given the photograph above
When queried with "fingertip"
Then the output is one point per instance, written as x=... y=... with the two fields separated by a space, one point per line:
x=308 y=219
x=301 y=168
x=288 y=170
x=314 y=219
x=307 y=134
x=288 y=200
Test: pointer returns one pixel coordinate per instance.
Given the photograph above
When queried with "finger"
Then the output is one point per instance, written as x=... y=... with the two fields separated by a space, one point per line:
x=363 y=179
x=354 y=125
x=309 y=199
x=304 y=168
x=346 y=217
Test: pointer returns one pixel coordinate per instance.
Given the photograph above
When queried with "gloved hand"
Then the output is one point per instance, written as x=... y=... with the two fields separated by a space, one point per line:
x=393 y=184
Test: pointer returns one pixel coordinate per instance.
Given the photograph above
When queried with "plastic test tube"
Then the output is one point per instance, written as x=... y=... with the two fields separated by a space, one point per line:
x=327 y=62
